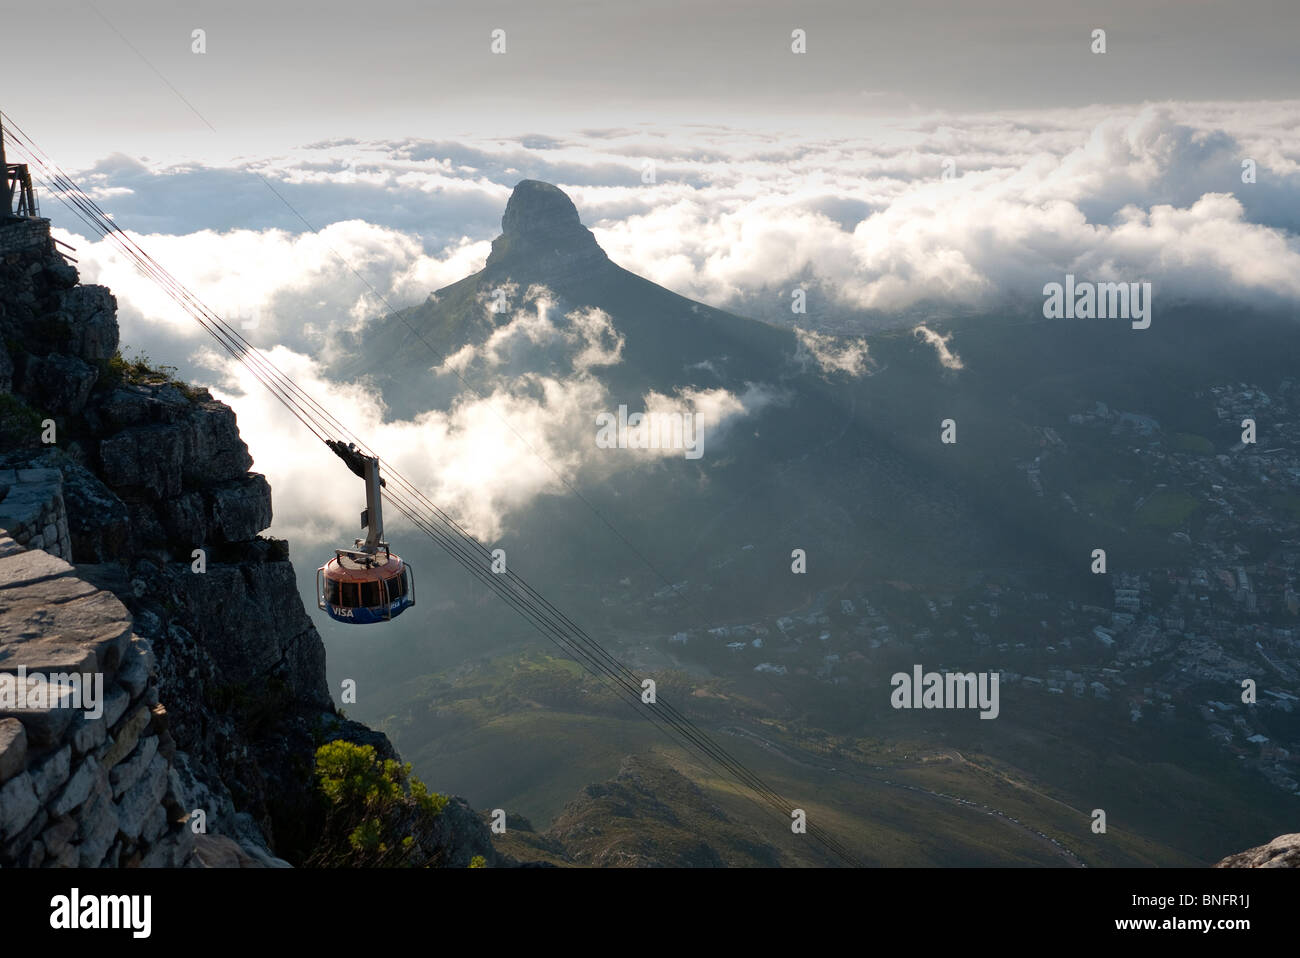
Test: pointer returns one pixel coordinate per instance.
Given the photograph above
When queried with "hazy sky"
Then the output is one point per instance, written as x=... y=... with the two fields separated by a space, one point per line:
x=276 y=74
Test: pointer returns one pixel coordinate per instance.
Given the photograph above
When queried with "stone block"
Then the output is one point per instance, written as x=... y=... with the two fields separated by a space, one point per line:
x=116 y=700
x=142 y=798
x=78 y=787
x=97 y=829
x=126 y=773
x=88 y=733
x=125 y=735
x=18 y=805
x=13 y=748
x=52 y=774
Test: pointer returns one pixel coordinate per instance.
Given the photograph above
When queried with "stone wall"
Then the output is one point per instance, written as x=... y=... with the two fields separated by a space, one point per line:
x=84 y=783
x=22 y=235
x=32 y=510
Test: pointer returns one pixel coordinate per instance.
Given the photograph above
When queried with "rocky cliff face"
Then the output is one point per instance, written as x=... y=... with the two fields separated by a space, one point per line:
x=144 y=488
x=1281 y=852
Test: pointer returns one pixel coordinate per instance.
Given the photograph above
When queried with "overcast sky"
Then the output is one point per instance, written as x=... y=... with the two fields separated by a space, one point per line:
x=279 y=73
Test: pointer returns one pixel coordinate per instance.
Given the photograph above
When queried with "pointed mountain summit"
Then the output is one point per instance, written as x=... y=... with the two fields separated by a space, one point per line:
x=669 y=340
x=541 y=224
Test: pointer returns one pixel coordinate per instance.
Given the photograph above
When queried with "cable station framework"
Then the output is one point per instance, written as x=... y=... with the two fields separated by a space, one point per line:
x=421 y=511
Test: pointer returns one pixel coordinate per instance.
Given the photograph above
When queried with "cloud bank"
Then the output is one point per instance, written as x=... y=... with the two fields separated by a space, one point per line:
x=965 y=212
x=498 y=447
x=898 y=223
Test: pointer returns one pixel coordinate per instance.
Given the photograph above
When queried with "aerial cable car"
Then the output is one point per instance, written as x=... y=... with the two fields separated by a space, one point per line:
x=369 y=583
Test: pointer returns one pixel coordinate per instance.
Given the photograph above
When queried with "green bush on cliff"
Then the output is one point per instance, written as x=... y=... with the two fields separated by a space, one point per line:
x=374 y=809
x=140 y=371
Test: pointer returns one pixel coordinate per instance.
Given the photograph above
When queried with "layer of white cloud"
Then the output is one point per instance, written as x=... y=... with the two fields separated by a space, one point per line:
x=484 y=459
x=965 y=211
x=533 y=320
x=934 y=212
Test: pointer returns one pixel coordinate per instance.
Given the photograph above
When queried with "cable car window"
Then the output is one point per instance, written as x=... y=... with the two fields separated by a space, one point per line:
x=331 y=592
x=396 y=587
x=370 y=597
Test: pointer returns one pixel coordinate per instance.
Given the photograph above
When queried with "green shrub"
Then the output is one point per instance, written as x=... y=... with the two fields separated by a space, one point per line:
x=373 y=809
x=140 y=371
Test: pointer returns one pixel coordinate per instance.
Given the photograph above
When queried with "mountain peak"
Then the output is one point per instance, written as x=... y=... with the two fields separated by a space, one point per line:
x=541 y=224
x=537 y=206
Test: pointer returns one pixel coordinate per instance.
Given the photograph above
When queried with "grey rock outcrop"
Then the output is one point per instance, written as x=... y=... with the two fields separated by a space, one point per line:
x=58 y=382
x=215 y=693
x=1281 y=852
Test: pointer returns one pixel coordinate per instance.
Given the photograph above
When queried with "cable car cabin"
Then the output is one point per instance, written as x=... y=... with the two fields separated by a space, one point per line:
x=361 y=588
